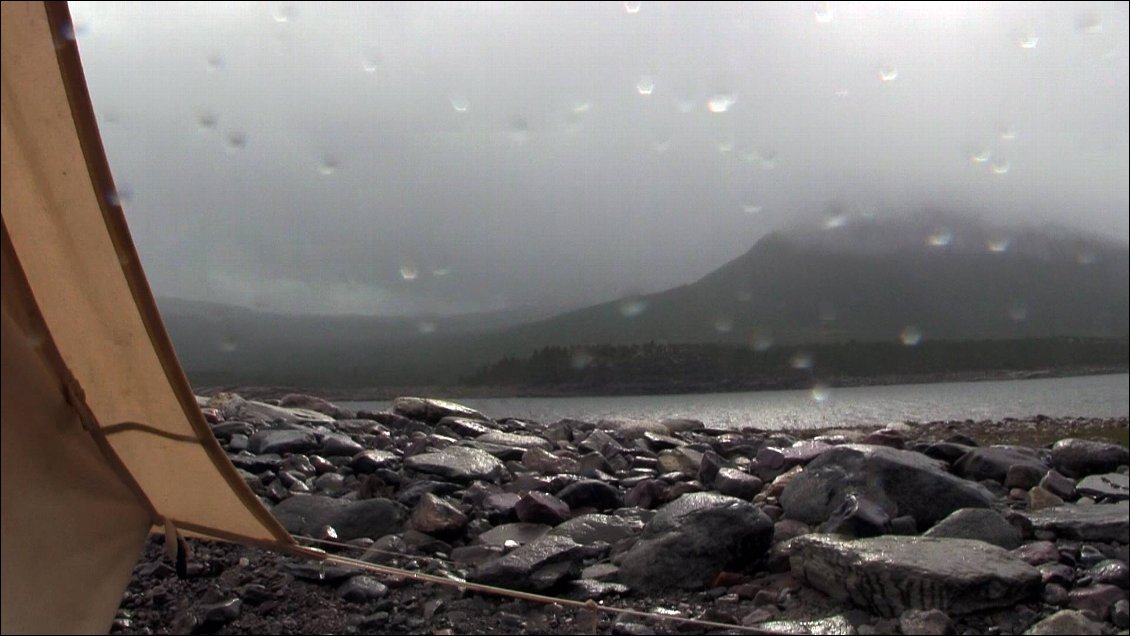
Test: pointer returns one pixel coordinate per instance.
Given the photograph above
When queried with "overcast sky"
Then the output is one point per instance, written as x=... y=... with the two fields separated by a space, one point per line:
x=388 y=158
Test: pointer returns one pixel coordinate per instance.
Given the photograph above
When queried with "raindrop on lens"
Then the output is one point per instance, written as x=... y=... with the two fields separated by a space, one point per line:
x=440 y=272
x=409 y=272
x=579 y=108
x=580 y=359
x=723 y=324
x=940 y=239
x=1001 y=167
x=1087 y=258
x=282 y=12
x=1018 y=312
x=888 y=73
x=835 y=221
x=801 y=360
x=645 y=85
x=980 y=156
x=1028 y=41
x=820 y=392
x=328 y=166
x=206 y=121
x=720 y=103
x=632 y=7
x=460 y=104
x=632 y=308
x=426 y=327
x=824 y=13
x=215 y=62
x=762 y=343
x=228 y=344
x=752 y=208
x=236 y=141
x=910 y=336
x=999 y=246
x=1008 y=134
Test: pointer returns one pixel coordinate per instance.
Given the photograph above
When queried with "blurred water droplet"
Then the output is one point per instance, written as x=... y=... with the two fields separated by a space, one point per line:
x=1087 y=258
x=843 y=92
x=1089 y=23
x=206 y=121
x=835 y=221
x=1008 y=134
x=1001 y=167
x=980 y=155
x=743 y=296
x=645 y=85
x=328 y=166
x=888 y=73
x=763 y=342
x=684 y=105
x=215 y=62
x=999 y=246
x=632 y=307
x=228 y=344
x=661 y=144
x=1028 y=41
x=750 y=207
x=723 y=324
x=724 y=145
x=372 y=59
x=519 y=131
x=801 y=360
x=580 y=108
x=426 y=327
x=236 y=141
x=119 y=196
x=409 y=271
x=820 y=392
x=632 y=6
x=124 y=258
x=282 y=12
x=460 y=104
x=910 y=336
x=580 y=359
x=1018 y=312
x=941 y=238
x=823 y=12
x=440 y=272
x=720 y=103
x=827 y=312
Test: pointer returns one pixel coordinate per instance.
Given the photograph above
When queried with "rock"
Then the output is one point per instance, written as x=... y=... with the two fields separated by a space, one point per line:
x=465 y=427
x=771 y=461
x=681 y=460
x=1054 y=595
x=709 y=466
x=631 y=429
x=1039 y=499
x=925 y=622
x=647 y=494
x=540 y=507
x=1095 y=598
x=336 y=444
x=1120 y=614
x=410 y=494
x=590 y=493
x=901 y=482
x=362 y=588
x=1058 y=484
x=1066 y=622
x=227 y=429
x=221 y=613
x=316 y=404
x=586 y=589
x=994 y=462
x=788 y=528
x=1037 y=553
x=858 y=516
x=1080 y=457
x=735 y=483
x=234 y=407
x=948 y=452
x=519 y=533
x=600 y=572
x=977 y=523
x=682 y=425
x=838 y=624
x=544 y=462
x=885 y=437
x=280 y=441
x=1024 y=476
x=592 y=528
x=318 y=572
x=891 y=574
x=1098 y=522
x=499 y=438
x=459 y=463
x=370 y=461
x=692 y=539
x=1113 y=486
x=536 y=566
x=1110 y=571
x=432 y=411
x=306 y=515
x=437 y=517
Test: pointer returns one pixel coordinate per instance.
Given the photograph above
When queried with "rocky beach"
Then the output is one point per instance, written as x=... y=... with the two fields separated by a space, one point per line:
x=1009 y=527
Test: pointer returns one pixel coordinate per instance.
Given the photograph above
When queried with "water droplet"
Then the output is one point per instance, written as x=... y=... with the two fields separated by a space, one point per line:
x=408 y=271
x=827 y=312
x=751 y=208
x=910 y=336
x=228 y=344
x=684 y=105
x=843 y=92
x=645 y=85
x=1018 y=312
x=632 y=7
x=941 y=238
x=236 y=141
x=661 y=144
x=820 y=392
x=426 y=327
x=328 y=166
x=1087 y=258
x=801 y=360
x=762 y=343
x=720 y=103
x=1028 y=41
x=206 y=121
x=835 y=221
x=215 y=62
x=372 y=59
x=580 y=108
x=743 y=296
x=998 y=246
x=282 y=12
x=460 y=104
x=981 y=155
x=888 y=73
x=724 y=145
x=1001 y=167
x=440 y=272
x=119 y=196
x=823 y=12
x=632 y=307
x=581 y=359
x=723 y=324
x=1008 y=134
x=519 y=131
x=1089 y=23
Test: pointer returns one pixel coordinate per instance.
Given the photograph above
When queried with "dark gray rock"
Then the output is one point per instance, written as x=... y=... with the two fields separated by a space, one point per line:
x=1098 y=522
x=692 y=539
x=829 y=626
x=362 y=588
x=306 y=515
x=459 y=463
x=221 y=613
x=1098 y=599
x=891 y=574
x=544 y=462
x=858 y=516
x=1024 y=476
x=1066 y=622
x=369 y=461
x=437 y=517
x=432 y=411
x=500 y=438
x=337 y=444
x=1110 y=572
x=682 y=425
x=535 y=566
x=592 y=528
x=680 y=460
x=735 y=483
x=1081 y=457
x=226 y=430
x=708 y=469
x=901 y=482
x=279 y=441
x=1120 y=614
x=1058 y=484
x=540 y=507
x=648 y=494
x=519 y=533
x=994 y=462
x=465 y=427
x=925 y=623
x=1112 y=486
x=1037 y=552
x=590 y=493
x=981 y=524
x=589 y=589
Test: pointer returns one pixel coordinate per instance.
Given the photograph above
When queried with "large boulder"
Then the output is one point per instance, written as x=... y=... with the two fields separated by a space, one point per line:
x=981 y=524
x=692 y=539
x=994 y=462
x=1076 y=457
x=891 y=574
x=432 y=411
x=459 y=463
x=234 y=407
x=316 y=404
x=370 y=518
x=900 y=482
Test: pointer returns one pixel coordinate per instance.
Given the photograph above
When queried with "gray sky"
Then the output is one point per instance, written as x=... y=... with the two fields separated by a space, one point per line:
x=415 y=158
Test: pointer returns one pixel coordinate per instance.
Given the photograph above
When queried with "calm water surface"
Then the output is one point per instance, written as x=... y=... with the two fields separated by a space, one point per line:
x=1091 y=396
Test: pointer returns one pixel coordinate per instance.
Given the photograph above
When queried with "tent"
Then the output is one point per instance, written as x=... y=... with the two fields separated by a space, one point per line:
x=103 y=442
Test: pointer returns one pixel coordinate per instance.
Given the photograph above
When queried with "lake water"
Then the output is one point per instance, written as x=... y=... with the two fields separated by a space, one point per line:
x=1090 y=396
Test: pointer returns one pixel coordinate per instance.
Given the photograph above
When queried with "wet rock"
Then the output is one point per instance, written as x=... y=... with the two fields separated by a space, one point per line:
x=708 y=468
x=682 y=425
x=513 y=440
x=432 y=411
x=889 y=575
x=1098 y=522
x=536 y=566
x=519 y=533
x=1057 y=573
x=1112 y=572
x=1095 y=598
x=994 y=462
x=234 y=407
x=465 y=427
x=1039 y=499
x=885 y=437
x=788 y=528
x=459 y=463
x=221 y=613
x=1080 y=457
x=501 y=507
x=361 y=589
x=902 y=482
x=1058 y=484
x=1024 y=476
x=227 y=429
x=1037 y=553
x=632 y=429
x=410 y=494
x=926 y=622
x=316 y=404
x=540 y=507
x=1066 y=622
x=590 y=493
x=369 y=461
x=1054 y=595
x=977 y=523
x=1111 y=486
x=948 y=452
x=280 y=441
x=838 y=624
x=336 y=444
x=681 y=460
x=305 y=515
x=589 y=589
x=593 y=528
x=600 y=572
x=435 y=516
x=735 y=483
x=544 y=462
x=694 y=538
x=1120 y=614
x=648 y=494
x=857 y=516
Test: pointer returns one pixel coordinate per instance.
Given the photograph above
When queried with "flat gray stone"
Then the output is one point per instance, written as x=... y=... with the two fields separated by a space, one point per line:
x=1098 y=522
x=591 y=528
x=538 y=565
x=891 y=574
x=432 y=411
x=830 y=626
x=981 y=524
x=517 y=532
x=459 y=463
x=499 y=438
x=1111 y=486
x=1066 y=622
x=372 y=518
x=280 y=441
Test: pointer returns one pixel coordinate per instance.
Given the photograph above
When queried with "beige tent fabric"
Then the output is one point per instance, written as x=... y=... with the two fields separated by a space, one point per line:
x=100 y=354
